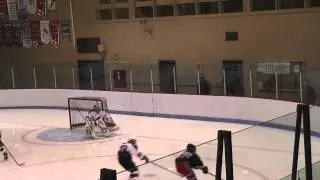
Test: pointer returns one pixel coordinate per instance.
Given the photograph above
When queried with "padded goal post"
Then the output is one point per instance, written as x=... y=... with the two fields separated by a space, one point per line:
x=80 y=106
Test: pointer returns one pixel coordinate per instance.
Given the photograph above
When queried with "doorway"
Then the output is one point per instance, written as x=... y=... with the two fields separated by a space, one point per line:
x=167 y=74
x=233 y=77
x=84 y=74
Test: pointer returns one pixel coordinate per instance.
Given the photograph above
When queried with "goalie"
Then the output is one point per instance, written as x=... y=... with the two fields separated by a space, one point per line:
x=97 y=118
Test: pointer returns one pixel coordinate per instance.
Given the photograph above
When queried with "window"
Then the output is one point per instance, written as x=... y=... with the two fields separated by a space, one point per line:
x=164 y=10
x=287 y=76
x=291 y=4
x=314 y=3
x=231 y=6
x=121 y=13
x=186 y=9
x=208 y=7
x=105 y=14
x=144 y=12
x=263 y=5
x=105 y=1
x=88 y=45
x=231 y=36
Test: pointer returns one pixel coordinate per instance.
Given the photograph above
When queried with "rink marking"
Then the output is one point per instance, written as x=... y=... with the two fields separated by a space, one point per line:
x=31 y=138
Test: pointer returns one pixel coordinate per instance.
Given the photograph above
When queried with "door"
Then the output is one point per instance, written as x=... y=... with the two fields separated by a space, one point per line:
x=119 y=78
x=233 y=77
x=94 y=67
x=167 y=76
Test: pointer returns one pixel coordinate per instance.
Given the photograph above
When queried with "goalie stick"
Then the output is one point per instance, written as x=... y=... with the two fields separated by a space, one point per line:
x=14 y=159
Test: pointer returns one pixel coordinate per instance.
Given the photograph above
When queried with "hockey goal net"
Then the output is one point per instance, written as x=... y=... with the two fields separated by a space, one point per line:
x=80 y=106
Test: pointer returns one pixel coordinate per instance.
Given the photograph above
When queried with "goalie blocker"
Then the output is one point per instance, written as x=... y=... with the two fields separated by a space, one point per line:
x=90 y=113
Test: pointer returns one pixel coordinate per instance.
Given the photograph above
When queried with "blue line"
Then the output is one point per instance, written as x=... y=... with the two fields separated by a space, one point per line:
x=177 y=116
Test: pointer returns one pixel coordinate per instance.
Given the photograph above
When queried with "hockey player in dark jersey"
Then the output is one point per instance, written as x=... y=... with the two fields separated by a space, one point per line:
x=125 y=154
x=188 y=161
x=2 y=149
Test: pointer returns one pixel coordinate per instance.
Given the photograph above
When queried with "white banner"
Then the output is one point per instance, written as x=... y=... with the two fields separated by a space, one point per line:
x=26 y=36
x=45 y=32
x=32 y=6
x=51 y=5
x=12 y=10
x=272 y=67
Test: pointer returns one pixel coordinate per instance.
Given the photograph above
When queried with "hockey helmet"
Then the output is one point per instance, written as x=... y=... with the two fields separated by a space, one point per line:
x=132 y=141
x=191 y=148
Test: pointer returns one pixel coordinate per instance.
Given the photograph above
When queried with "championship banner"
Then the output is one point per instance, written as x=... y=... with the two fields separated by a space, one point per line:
x=35 y=33
x=65 y=30
x=32 y=6
x=22 y=9
x=55 y=33
x=45 y=32
x=42 y=7
x=12 y=10
x=4 y=10
x=51 y=5
x=26 y=35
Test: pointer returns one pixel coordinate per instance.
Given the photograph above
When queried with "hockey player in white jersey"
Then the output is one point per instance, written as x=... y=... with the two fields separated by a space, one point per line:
x=97 y=118
x=2 y=149
x=125 y=154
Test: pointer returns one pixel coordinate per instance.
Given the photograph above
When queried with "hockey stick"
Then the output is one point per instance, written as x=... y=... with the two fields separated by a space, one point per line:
x=211 y=174
x=166 y=169
x=19 y=164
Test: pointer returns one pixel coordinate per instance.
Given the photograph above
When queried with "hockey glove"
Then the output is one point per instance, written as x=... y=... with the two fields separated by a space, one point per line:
x=205 y=170
x=146 y=159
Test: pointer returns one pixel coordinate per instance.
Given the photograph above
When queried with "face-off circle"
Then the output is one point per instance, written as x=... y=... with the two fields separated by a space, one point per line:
x=66 y=136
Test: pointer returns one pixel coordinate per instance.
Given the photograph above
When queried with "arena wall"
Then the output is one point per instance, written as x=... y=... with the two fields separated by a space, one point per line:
x=162 y=105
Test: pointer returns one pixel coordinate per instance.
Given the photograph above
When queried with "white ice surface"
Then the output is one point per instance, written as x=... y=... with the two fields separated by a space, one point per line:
x=259 y=153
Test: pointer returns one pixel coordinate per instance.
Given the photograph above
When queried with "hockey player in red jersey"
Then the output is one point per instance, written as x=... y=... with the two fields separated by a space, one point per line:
x=188 y=161
x=125 y=154
x=2 y=149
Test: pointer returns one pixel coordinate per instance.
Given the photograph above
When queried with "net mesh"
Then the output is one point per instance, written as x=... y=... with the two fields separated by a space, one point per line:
x=80 y=106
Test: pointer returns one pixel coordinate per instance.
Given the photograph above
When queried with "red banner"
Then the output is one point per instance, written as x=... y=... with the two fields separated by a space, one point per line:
x=42 y=7
x=55 y=32
x=35 y=33
x=4 y=14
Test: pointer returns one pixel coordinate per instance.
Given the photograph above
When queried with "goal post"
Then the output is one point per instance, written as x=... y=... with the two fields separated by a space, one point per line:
x=79 y=107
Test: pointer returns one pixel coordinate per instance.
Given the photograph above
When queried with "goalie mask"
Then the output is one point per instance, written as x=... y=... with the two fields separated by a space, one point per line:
x=96 y=108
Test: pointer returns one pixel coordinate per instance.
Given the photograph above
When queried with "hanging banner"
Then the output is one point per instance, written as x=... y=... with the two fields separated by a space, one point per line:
x=42 y=7
x=32 y=6
x=35 y=33
x=55 y=33
x=26 y=35
x=22 y=9
x=65 y=30
x=51 y=5
x=12 y=10
x=45 y=32
x=4 y=10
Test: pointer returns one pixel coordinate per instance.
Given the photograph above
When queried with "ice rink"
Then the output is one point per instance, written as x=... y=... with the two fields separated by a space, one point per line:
x=41 y=139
